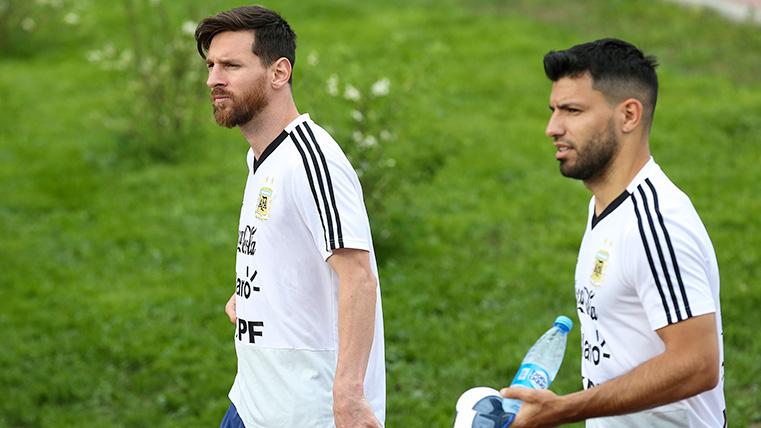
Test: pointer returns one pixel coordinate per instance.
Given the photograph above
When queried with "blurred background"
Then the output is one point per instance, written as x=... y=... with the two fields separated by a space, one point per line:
x=119 y=195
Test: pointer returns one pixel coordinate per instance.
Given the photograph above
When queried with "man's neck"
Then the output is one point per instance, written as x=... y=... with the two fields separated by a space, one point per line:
x=269 y=123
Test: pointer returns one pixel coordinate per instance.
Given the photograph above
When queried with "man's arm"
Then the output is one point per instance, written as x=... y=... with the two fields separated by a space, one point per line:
x=688 y=366
x=356 y=325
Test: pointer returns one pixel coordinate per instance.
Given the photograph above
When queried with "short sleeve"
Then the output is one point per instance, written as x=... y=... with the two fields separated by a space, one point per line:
x=329 y=197
x=669 y=269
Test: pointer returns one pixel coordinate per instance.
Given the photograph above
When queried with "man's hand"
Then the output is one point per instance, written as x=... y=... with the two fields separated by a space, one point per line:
x=230 y=309
x=537 y=405
x=351 y=409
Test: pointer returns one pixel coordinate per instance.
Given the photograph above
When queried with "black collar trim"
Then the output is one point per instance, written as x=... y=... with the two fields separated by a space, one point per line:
x=610 y=208
x=270 y=148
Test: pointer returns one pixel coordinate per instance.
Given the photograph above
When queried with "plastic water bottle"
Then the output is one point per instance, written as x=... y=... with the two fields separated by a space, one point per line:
x=541 y=364
x=483 y=407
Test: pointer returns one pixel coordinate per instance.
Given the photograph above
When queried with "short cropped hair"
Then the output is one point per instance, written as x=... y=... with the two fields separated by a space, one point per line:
x=618 y=69
x=273 y=37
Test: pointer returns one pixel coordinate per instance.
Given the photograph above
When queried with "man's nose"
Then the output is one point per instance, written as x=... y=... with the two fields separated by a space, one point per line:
x=215 y=77
x=554 y=127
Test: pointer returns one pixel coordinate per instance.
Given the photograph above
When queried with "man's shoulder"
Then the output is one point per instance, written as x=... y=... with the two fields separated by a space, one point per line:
x=658 y=192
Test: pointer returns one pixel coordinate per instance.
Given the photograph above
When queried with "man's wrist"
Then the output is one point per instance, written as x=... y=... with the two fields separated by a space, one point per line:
x=570 y=407
x=348 y=388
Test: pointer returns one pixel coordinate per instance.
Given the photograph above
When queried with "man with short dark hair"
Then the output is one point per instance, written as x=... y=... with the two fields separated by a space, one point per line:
x=647 y=281
x=306 y=305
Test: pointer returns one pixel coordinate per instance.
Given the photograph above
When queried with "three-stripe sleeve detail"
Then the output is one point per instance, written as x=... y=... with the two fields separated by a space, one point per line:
x=321 y=185
x=650 y=259
x=660 y=253
x=339 y=230
x=308 y=171
x=674 y=263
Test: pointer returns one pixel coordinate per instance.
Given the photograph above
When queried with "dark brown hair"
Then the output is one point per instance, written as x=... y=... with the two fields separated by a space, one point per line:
x=273 y=37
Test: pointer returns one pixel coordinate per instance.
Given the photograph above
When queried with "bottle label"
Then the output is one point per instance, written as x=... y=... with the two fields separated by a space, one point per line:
x=531 y=376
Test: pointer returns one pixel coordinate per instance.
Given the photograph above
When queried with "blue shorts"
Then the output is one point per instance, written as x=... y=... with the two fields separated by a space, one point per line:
x=232 y=419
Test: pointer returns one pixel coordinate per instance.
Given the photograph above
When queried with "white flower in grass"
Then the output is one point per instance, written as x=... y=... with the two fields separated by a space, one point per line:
x=313 y=58
x=390 y=162
x=357 y=115
x=357 y=137
x=352 y=93
x=369 y=141
x=71 y=18
x=331 y=86
x=381 y=88
x=94 y=56
x=385 y=135
x=189 y=28
x=28 y=24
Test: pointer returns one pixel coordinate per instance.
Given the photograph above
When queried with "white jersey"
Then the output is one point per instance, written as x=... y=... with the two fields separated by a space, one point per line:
x=302 y=201
x=646 y=262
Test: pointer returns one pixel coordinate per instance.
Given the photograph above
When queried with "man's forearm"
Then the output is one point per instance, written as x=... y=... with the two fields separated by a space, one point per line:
x=674 y=375
x=653 y=384
x=356 y=325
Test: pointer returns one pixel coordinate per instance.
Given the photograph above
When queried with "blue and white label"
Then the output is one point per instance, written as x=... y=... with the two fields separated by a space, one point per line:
x=532 y=376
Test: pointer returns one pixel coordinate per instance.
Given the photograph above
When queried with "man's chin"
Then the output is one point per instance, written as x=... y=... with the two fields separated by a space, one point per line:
x=224 y=119
x=569 y=172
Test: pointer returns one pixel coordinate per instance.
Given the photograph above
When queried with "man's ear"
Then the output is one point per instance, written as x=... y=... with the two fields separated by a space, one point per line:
x=282 y=70
x=631 y=111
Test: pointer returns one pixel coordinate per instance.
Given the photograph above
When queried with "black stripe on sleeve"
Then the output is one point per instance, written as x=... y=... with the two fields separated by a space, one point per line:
x=677 y=272
x=650 y=258
x=661 y=258
x=334 y=206
x=308 y=172
x=323 y=196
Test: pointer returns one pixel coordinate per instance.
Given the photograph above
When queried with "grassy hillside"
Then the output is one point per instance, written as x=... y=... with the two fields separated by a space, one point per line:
x=119 y=196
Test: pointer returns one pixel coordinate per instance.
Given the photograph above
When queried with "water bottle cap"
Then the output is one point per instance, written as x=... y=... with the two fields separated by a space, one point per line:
x=564 y=323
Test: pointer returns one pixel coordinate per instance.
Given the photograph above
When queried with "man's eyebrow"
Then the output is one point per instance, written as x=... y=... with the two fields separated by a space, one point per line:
x=221 y=60
x=565 y=106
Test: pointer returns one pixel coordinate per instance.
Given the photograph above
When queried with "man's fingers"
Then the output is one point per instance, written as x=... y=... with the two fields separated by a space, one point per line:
x=230 y=309
x=518 y=393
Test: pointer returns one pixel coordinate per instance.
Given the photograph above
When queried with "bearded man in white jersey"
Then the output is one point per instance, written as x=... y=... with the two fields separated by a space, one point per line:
x=647 y=281
x=306 y=305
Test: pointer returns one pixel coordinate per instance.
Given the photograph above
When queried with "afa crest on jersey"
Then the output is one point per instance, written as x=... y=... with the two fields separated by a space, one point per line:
x=264 y=205
x=598 y=271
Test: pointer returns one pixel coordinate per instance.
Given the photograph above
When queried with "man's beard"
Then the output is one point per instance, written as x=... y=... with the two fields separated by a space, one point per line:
x=243 y=109
x=594 y=159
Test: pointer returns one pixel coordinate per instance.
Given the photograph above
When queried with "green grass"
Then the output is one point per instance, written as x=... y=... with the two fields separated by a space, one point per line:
x=114 y=273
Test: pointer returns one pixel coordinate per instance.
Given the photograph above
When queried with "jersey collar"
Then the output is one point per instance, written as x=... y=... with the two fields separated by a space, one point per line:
x=609 y=209
x=646 y=171
x=270 y=148
x=279 y=139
